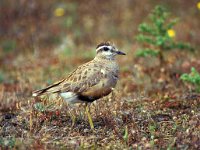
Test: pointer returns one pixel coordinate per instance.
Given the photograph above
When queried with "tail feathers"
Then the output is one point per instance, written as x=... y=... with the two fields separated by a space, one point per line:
x=50 y=89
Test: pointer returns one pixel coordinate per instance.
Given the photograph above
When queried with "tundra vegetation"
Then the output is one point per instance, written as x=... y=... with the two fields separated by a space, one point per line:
x=156 y=102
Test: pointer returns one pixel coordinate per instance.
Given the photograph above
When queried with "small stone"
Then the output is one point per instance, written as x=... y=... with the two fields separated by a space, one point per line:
x=147 y=145
x=174 y=118
x=85 y=130
x=144 y=139
x=133 y=131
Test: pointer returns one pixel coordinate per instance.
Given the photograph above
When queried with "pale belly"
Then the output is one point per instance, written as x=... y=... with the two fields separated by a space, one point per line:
x=70 y=97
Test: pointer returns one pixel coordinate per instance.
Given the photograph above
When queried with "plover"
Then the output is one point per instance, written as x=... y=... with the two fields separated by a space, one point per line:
x=90 y=81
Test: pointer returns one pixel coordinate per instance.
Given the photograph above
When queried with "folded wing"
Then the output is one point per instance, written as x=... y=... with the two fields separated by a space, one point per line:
x=80 y=81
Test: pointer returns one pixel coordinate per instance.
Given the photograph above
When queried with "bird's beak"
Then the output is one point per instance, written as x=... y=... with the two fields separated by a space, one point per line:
x=120 y=53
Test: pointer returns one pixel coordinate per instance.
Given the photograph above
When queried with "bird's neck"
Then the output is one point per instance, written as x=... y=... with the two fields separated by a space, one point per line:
x=110 y=63
x=104 y=58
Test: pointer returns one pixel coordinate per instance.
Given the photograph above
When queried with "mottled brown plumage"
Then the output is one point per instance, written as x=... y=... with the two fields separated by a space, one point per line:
x=89 y=81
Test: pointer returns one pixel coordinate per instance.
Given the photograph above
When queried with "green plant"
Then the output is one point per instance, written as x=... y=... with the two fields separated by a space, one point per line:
x=193 y=77
x=2 y=76
x=42 y=108
x=8 y=46
x=125 y=136
x=8 y=142
x=152 y=130
x=158 y=35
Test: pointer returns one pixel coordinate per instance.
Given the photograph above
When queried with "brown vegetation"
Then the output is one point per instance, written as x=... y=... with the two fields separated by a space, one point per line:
x=151 y=108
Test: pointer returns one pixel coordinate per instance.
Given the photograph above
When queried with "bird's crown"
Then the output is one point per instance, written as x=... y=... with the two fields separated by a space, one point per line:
x=104 y=46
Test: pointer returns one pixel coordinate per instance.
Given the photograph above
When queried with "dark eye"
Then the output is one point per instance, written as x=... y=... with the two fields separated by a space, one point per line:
x=105 y=48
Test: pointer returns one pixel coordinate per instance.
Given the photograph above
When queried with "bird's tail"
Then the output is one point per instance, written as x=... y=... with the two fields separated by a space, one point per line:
x=54 y=88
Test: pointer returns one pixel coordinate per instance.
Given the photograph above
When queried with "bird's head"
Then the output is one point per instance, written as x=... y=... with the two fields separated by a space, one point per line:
x=107 y=51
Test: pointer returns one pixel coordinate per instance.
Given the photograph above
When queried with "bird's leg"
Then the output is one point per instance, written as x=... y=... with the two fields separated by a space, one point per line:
x=80 y=112
x=96 y=108
x=72 y=116
x=89 y=117
x=113 y=94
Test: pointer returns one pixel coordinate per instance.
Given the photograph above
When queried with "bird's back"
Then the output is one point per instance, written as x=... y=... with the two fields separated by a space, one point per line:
x=88 y=82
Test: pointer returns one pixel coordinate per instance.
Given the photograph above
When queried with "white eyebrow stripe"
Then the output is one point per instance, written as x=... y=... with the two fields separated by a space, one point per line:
x=110 y=47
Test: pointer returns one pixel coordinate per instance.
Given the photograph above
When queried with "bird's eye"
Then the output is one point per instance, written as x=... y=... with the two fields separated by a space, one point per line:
x=105 y=48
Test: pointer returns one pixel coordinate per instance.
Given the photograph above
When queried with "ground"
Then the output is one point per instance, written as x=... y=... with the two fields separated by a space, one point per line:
x=151 y=108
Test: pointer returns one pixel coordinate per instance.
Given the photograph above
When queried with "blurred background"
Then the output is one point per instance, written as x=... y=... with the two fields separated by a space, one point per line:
x=40 y=40
x=29 y=26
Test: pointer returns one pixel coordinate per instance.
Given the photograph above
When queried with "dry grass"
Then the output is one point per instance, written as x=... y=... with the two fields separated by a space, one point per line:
x=150 y=107
x=147 y=114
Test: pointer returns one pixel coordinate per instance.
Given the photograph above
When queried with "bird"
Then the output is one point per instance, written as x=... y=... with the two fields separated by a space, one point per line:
x=90 y=81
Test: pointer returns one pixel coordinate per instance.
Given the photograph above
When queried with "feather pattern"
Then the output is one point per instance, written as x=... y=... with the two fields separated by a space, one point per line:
x=88 y=82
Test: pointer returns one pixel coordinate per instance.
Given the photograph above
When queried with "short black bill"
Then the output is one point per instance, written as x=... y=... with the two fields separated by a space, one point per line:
x=120 y=53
